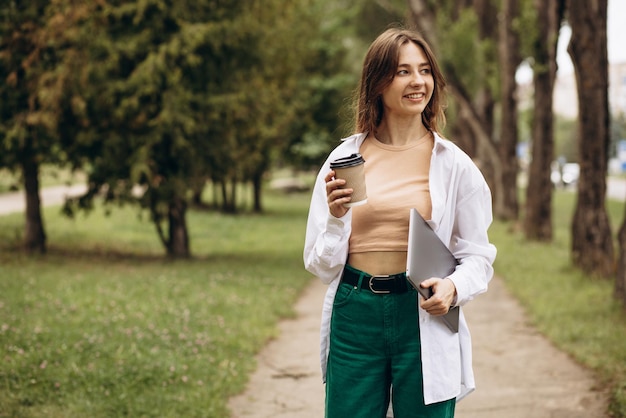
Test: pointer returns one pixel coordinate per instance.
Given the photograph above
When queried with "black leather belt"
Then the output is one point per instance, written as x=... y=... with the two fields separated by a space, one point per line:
x=382 y=284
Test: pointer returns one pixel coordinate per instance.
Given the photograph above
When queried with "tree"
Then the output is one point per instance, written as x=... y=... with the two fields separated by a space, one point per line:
x=175 y=94
x=33 y=97
x=304 y=88
x=538 y=219
x=331 y=73
x=469 y=62
x=23 y=136
x=152 y=98
x=510 y=58
x=140 y=107
x=145 y=93
x=592 y=242
x=619 y=290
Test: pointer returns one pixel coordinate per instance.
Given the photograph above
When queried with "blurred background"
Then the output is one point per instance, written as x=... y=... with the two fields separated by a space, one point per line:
x=150 y=101
x=190 y=132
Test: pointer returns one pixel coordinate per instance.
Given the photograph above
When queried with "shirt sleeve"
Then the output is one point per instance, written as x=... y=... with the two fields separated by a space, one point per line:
x=470 y=242
x=327 y=237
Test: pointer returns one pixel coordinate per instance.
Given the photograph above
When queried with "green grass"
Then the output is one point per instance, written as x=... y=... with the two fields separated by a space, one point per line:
x=578 y=313
x=104 y=326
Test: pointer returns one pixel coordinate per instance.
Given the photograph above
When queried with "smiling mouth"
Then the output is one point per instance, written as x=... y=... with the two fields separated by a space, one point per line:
x=415 y=96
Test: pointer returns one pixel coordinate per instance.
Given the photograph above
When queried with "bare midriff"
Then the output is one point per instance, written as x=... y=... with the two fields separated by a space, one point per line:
x=379 y=262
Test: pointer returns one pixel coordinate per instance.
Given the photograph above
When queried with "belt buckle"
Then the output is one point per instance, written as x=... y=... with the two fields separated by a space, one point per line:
x=380 y=277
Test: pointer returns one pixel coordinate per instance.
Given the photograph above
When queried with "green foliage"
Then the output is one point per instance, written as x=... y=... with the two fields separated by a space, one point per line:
x=473 y=59
x=165 y=95
x=323 y=88
x=104 y=327
x=27 y=127
x=526 y=27
x=566 y=138
x=376 y=16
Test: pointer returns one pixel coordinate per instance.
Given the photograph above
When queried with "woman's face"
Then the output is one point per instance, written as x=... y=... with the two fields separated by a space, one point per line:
x=412 y=85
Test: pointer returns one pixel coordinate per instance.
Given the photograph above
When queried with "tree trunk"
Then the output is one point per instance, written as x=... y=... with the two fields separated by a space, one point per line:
x=490 y=162
x=485 y=105
x=178 y=243
x=477 y=113
x=257 y=182
x=35 y=235
x=463 y=137
x=229 y=196
x=484 y=102
x=197 y=185
x=592 y=245
x=425 y=18
x=538 y=220
x=216 y=192
x=233 y=196
x=510 y=58
x=620 y=277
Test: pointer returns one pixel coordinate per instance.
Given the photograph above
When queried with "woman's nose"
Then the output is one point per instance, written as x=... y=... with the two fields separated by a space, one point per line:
x=417 y=79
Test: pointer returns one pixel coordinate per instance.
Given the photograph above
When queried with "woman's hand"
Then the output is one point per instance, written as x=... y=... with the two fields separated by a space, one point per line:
x=337 y=196
x=443 y=293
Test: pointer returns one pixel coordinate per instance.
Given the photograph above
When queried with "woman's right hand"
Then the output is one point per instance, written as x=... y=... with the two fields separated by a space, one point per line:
x=336 y=195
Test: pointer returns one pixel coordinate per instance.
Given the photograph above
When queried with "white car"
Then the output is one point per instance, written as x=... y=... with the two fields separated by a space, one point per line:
x=570 y=173
x=566 y=176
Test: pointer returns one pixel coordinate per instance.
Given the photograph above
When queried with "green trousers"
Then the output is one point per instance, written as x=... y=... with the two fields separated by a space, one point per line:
x=375 y=352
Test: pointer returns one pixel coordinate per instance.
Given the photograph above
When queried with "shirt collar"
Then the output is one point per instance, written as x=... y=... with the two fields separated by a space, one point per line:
x=440 y=143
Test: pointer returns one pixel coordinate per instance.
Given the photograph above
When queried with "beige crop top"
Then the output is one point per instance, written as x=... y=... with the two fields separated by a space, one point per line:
x=396 y=179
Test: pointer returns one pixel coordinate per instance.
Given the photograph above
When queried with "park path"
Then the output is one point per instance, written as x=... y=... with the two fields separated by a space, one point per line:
x=15 y=201
x=519 y=374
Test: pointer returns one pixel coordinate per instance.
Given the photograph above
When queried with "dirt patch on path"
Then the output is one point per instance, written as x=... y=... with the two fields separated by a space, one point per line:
x=519 y=374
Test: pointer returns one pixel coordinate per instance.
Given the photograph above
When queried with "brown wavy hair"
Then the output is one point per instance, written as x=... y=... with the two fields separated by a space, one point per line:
x=379 y=69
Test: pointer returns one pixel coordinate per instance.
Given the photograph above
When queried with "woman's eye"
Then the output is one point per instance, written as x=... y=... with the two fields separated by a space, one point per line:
x=403 y=72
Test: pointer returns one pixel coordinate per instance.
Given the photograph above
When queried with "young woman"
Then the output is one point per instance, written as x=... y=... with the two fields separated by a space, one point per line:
x=381 y=347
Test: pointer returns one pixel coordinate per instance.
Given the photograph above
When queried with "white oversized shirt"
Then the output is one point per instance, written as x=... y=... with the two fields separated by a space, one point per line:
x=461 y=215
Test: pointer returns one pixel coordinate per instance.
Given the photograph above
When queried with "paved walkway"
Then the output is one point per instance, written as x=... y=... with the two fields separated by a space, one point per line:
x=16 y=201
x=519 y=373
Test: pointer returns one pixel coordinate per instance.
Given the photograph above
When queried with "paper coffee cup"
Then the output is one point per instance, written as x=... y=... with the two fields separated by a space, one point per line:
x=351 y=169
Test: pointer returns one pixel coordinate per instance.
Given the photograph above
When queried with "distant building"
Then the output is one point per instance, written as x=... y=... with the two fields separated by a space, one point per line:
x=617 y=88
x=565 y=97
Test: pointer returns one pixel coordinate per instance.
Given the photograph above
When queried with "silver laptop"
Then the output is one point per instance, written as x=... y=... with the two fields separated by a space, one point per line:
x=429 y=257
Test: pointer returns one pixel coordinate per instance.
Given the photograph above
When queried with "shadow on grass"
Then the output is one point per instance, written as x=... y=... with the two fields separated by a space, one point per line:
x=112 y=255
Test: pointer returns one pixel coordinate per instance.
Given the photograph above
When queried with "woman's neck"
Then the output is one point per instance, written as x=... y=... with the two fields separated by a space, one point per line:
x=400 y=133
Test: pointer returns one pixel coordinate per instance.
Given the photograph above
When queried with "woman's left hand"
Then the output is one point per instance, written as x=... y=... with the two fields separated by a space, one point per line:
x=443 y=293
